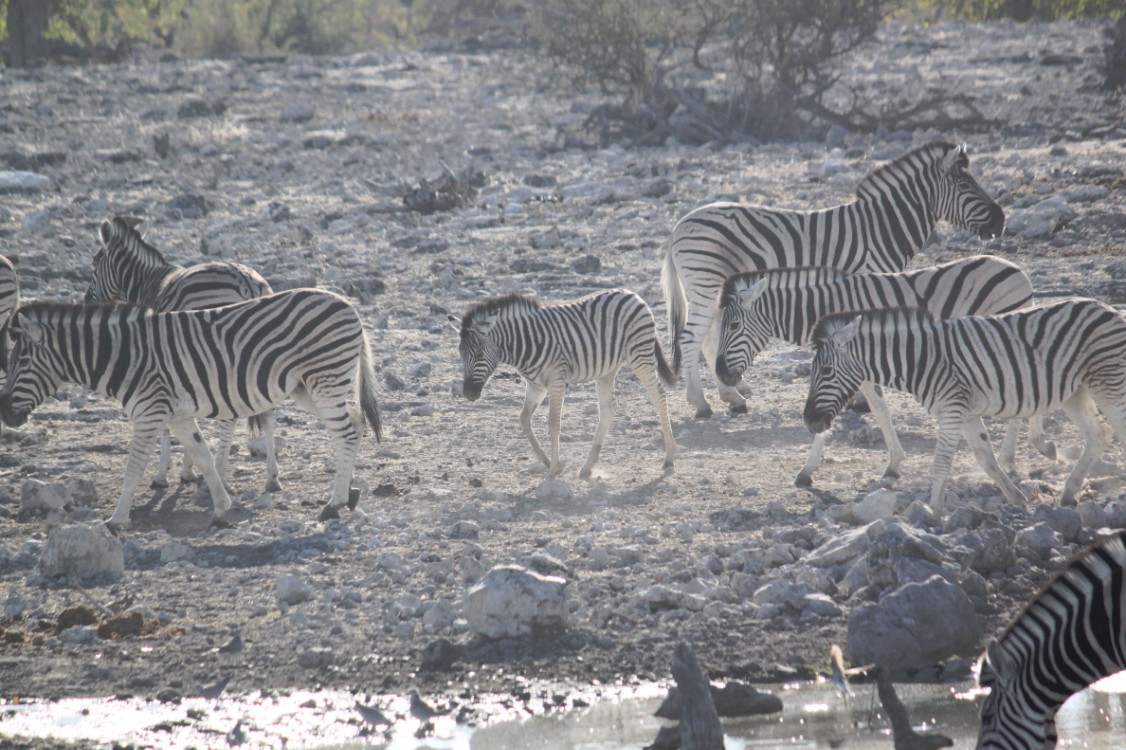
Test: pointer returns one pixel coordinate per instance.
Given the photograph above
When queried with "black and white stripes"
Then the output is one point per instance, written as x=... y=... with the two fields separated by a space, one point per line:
x=1069 y=355
x=895 y=211
x=230 y=362
x=1071 y=635
x=570 y=342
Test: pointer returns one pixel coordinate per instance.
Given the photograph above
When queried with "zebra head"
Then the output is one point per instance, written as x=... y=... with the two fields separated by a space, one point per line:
x=837 y=371
x=1006 y=721
x=117 y=260
x=961 y=201
x=480 y=354
x=743 y=331
x=34 y=371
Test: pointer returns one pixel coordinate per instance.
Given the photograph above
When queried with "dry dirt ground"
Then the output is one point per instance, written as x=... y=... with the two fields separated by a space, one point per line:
x=299 y=168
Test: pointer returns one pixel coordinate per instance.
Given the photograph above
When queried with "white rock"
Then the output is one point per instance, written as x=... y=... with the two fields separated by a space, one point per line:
x=554 y=489
x=37 y=496
x=512 y=601
x=876 y=505
x=82 y=551
x=1083 y=193
x=840 y=549
x=23 y=182
x=293 y=590
x=175 y=551
x=1040 y=220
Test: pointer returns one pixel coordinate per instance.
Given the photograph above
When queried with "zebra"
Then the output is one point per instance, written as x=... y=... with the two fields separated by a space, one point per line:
x=1069 y=354
x=1071 y=635
x=128 y=269
x=785 y=303
x=895 y=211
x=553 y=345
x=231 y=362
x=9 y=303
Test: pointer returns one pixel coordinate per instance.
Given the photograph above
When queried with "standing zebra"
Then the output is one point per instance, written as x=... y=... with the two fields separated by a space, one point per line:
x=128 y=269
x=786 y=303
x=9 y=303
x=895 y=211
x=568 y=342
x=228 y=362
x=1071 y=635
x=1069 y=355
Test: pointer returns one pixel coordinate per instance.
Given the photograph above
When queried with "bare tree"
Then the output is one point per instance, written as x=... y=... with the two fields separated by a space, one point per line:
x=27 y=27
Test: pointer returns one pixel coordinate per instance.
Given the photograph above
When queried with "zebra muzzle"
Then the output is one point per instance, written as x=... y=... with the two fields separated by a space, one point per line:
x=471 y=390
x=816 y=420
x=9 y=417
x=726 y=375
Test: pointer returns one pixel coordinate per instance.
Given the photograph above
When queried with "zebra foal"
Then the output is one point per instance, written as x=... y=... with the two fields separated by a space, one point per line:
x=1069 y=354
x=1071 y=635
x=897 y=207
x=228 y=362
x=568 y=342
x=786 y=303
x=128 y=269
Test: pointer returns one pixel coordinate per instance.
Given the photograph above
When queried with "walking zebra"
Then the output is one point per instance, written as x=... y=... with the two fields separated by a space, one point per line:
x=896 y=208
x=228 y=362
x=786 y=303
x=9 y=303
x=1069 y=354
x=128 y=269
x=568 y=342
x=1071 y=635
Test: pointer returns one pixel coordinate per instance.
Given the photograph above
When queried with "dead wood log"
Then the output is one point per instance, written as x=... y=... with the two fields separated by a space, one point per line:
x=903 y=734
x=699 y=723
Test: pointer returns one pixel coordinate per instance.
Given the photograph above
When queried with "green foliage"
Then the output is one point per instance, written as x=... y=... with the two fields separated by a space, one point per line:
x=1021 y=10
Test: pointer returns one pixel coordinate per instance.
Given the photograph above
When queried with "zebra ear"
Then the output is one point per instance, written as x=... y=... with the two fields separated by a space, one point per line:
x=847 y=332
x=454 y=322
x=751 y=293
x=29 y=329
x=485 y=324
x=105 y=231
x=956 y=157
x=1000 y=663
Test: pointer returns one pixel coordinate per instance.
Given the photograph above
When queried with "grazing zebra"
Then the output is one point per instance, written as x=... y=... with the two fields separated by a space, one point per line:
x=1069 y=354
x=895 y=211
x=9 y=302
x=1071 y=635
x=228 y=362
x=568 y=342
x=786 y=303
x=128 y=269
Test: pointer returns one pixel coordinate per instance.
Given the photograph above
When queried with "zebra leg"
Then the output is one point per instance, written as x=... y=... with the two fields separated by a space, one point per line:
x=223 y=440
x=879 y=408
x=813 y=460
x=140 y=448
x=187 y=432
x=978 y=437
x=346 y=426
x=1036 y=437
x=267 y=421
x=690 y=342
x=533 y=396
x=605 y=388
x=732 y=395
x=554 y=420
x=1081 y=409
x=949 y=435
x=657 y=396
x=1008 y=458
x=160 y=479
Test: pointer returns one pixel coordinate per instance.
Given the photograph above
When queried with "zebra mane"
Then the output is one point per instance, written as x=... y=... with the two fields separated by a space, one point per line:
x=134 y=241
x=782 y=278
x=892 y=171
x=830 y=324
x=48 y=311
x=1113 y=551
x=522 y=302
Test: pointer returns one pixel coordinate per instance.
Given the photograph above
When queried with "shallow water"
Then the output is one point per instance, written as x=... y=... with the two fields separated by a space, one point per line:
x=815 y=716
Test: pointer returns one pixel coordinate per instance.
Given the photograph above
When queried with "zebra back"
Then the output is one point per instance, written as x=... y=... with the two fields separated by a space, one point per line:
x=1071 y=635
x=978 y=285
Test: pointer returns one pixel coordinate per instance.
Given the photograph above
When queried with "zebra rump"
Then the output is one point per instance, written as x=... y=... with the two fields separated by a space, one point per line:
x=1071 y=635
x=228 y=362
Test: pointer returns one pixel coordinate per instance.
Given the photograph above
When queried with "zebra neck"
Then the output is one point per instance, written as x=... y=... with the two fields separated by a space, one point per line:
x=894 y=222
x=150 y=285
x=907 y=358
x=103 y=348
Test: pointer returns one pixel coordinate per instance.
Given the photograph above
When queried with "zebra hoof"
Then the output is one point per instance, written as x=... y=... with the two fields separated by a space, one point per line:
x=804 y=481
x=738 y=408
x=704 y=412
x=159 y=483
x=115 y=528
x=272 y=485
x=218 y=522
x=891 y=474
x=353 y=498
x=329 y=512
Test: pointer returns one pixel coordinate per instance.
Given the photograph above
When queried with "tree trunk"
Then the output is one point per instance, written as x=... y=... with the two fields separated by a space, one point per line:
x=27 y=25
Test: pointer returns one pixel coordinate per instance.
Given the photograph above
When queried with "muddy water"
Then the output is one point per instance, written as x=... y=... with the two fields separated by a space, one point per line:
x=815 y=716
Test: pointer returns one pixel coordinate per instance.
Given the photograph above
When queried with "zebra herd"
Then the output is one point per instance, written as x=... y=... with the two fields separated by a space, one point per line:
x=214 y=341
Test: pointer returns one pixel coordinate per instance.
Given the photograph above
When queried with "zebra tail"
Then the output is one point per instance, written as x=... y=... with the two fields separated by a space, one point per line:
x=255 y=424
x=668 y=375
x=677 y=302
x=368 y=402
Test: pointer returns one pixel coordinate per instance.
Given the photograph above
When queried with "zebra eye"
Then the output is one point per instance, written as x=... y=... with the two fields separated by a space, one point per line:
x=826 y=371
x=733 y=326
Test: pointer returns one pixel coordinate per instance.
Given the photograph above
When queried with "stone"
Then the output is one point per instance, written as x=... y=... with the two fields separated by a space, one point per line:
x=298 y=112
x=512 y=601
x=992 y=550
x=293 y=590
x=23 y=182
x=38 y=497
x=1040 y=221
x=83 y=552
x=914 y=627
x=660 y=597
x=1092 y=514
x=876 y=505
x=1064 y=521
x=1036 y=542
x=553 y=489
x=840 y=549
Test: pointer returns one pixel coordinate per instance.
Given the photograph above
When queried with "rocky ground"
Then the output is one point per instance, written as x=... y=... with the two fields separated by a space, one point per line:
x=309 y=169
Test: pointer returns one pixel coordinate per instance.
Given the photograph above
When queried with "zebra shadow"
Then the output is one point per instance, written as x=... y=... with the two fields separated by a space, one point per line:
x=182 y=510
